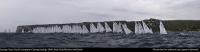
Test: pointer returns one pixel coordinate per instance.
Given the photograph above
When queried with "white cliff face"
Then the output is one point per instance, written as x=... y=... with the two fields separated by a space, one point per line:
x=35 y=30
x=46 y=29
x=162 y=28
x=66 y=29
x=79 y=29
x=54 y=29
x=117 y=27
x=141 y=29
x=51 y=29
x=100 y=27
x=151 y=30
x=76 y=29
x=136 y=28
x=93 y=29
x=146 y=28
x=73 y=30
x=85 y=30
x=57 y=29
x=126 y=29
x=40 y=30
x=107 y=28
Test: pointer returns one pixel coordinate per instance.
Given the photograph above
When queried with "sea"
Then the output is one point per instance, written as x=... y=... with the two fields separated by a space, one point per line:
x=100 y=40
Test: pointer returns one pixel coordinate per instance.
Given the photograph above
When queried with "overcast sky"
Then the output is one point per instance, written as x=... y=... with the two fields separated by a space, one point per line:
x=22 y=12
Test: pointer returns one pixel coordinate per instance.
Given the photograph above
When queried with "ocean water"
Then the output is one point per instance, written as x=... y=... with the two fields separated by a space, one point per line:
x=100 y=40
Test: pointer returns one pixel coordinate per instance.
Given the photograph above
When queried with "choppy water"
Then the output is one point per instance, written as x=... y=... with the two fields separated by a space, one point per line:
x=100 y=40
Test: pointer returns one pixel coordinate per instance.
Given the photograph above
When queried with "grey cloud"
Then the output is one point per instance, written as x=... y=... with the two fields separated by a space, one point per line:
x=23 y=12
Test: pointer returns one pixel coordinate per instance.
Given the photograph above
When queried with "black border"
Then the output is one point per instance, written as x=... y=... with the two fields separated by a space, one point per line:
x=100 y=49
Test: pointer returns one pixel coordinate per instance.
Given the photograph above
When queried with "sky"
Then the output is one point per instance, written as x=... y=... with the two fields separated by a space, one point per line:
x=29 y=12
